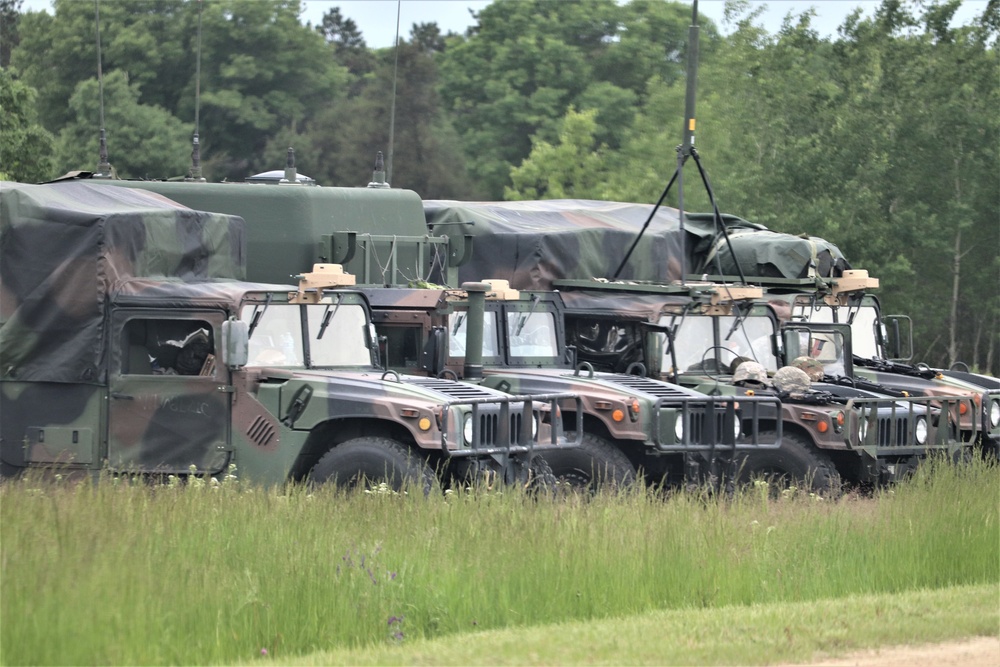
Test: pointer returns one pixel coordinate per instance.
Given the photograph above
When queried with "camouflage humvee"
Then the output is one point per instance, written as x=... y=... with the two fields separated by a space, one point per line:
x=881 y=346
x=671 y=433
x=563 y=244
x=128 y=344
x=699 y=335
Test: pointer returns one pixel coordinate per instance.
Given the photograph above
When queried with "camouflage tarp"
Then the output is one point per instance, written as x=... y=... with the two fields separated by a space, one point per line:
x=64 y=247
x=762 y=252
x=532 y=243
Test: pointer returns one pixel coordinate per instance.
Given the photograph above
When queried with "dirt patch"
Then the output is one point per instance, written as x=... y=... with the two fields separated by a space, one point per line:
x=976 y=652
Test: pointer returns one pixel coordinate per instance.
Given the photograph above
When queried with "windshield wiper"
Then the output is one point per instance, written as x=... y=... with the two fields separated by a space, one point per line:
x=524 y=320
x=460 y=317
x=327 y=316
x=258 y=312
x=736 y=323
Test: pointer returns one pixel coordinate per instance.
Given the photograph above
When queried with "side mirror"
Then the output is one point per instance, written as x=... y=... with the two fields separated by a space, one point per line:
x=791 y=340
x=432 y=356
x=374 y=344
x=235 y=343
x=898 y=333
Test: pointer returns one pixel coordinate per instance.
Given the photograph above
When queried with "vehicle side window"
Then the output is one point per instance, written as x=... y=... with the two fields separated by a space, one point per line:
x=167 y=347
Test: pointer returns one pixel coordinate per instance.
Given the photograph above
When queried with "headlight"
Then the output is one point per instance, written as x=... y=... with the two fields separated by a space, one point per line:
x=679 y=428
x=994 y=414
x=467 y=429
x=920 y=430
x=737 y=427
x=534 y=425
x=862 y=428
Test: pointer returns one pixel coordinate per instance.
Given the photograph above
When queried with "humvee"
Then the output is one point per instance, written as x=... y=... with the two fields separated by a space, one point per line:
x=673 y=434
x=130 y=343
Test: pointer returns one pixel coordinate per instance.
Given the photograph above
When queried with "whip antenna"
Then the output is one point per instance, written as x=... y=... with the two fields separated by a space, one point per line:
x=194 y=174
x=103 y=166
x=684 y=151
x=392 y=111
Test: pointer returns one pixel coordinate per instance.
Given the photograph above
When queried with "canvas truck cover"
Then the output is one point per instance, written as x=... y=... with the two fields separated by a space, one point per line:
x=532 y=243
x=762 y=252
x=65 y=247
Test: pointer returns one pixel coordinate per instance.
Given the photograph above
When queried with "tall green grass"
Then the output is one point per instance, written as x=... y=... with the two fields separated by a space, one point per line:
x=122 y=572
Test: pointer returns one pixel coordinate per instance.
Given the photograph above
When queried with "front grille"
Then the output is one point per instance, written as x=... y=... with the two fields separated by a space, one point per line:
x=489 y=428
x=701 y=434
x=893 y=437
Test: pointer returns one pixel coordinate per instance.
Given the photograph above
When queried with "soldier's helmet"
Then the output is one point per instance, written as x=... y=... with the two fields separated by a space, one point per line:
x=791 y=380
x=750 y=371
x=812 y=367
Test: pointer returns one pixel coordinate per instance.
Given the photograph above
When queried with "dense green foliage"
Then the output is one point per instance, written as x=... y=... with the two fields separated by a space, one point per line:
x=883 y=138
x=129 y=573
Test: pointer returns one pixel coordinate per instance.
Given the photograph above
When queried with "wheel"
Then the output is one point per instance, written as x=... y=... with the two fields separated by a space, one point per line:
x=796 y=463
x=540 y=479
x=371 y=461
x=595 y=464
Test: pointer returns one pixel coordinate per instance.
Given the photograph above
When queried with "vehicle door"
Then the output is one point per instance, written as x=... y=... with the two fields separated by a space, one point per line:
x=169 y=401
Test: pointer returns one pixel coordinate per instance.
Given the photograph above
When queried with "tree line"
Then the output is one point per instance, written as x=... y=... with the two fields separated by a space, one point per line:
x=882 y=138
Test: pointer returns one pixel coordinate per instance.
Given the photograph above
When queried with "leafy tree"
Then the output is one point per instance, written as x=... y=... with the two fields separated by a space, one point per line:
x=10 y=15
x=349 y=48
x=339 y=145
x=262 y=70
x=527 y=61
x=143 y=141
x=576 y=167
x=25 y=146
x=152 y=40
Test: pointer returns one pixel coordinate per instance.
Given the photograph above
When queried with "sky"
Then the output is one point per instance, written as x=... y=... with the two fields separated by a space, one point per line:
x=376 y=19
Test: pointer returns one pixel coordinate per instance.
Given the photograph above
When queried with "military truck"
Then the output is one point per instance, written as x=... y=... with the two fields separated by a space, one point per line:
x=882 y=346
x=379 y=233
x=376 y=233
x=700 y=335
x=671 y=433
x=129 y=343
x=812 y=282
x=519 y=234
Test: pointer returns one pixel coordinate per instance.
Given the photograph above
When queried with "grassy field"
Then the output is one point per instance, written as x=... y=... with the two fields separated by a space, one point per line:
x=766 y=634
x=127 y=573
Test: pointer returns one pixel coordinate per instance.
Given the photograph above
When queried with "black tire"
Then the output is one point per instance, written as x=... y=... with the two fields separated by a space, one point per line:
x=371 y=461
x=796 y=463
x=540 y=480
x=596 y=464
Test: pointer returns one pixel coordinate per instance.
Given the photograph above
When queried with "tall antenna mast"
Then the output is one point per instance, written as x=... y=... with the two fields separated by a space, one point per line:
x=684 y=151
x=194 y=174
x=392 y=112
x=103 y=166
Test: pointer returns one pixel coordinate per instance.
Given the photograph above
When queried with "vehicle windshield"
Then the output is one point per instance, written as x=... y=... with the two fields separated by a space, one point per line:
x=826 y=347
x=336 y=335
x=457 y=323
x=865 y=319
x=532 y=334
x=750 y=339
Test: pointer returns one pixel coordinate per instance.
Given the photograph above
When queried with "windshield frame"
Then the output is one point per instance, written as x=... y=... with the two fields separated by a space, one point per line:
x=755 y=346
x=300 y=351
